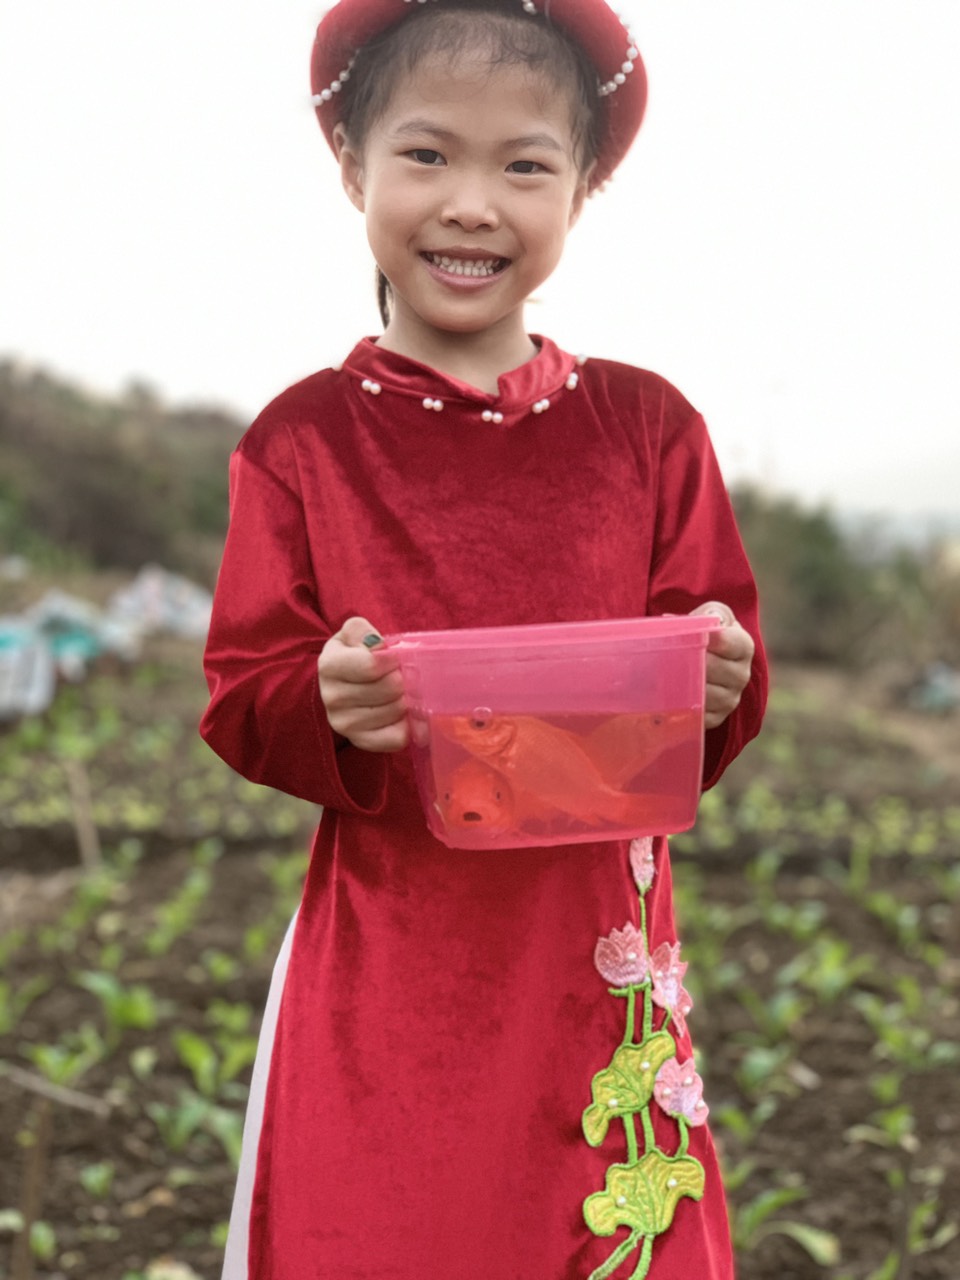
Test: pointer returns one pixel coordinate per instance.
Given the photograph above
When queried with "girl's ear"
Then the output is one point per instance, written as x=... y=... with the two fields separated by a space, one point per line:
x=351 y=167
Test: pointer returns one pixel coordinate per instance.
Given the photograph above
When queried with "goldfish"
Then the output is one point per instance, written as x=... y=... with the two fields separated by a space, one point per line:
x=477 y=796
x=623 y=746
x=543 y=760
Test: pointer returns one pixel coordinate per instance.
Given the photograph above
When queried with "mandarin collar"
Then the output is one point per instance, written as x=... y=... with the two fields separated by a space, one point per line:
x=525 y=389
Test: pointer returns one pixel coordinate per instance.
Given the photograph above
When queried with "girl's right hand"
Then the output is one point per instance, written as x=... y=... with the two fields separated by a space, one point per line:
x=361 y=688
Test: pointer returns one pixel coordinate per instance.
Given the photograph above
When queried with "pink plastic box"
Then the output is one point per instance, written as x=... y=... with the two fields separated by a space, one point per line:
x=559 y=733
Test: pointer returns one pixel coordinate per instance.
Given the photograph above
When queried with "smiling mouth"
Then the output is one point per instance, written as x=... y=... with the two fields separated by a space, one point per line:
x=475 y=268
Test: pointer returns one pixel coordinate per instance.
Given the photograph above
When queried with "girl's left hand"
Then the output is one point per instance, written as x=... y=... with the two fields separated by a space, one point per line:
x=729 y=661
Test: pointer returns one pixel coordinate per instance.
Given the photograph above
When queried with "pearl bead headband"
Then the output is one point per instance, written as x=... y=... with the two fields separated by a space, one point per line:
x=529 y=6
x=602 y=34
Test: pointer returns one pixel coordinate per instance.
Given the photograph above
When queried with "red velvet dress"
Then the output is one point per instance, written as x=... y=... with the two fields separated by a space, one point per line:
x=441 y=1016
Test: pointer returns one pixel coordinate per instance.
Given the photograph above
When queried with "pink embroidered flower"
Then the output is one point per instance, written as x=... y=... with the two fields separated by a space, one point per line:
x=622 y=957
x=641 y=862
x=679 y=1090
x=667 y=970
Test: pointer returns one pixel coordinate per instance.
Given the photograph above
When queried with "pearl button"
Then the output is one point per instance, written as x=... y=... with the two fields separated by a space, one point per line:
x=430 y=403
x=573 y=381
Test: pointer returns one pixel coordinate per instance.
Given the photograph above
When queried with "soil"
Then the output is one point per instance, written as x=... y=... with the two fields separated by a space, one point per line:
x=865 y=1191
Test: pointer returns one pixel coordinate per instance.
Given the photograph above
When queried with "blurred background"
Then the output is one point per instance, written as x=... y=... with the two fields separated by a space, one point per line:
x=174 y=250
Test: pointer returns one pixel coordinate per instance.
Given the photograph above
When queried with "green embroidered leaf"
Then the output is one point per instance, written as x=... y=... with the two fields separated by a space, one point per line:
x=625 y=1086
x=644 y=1196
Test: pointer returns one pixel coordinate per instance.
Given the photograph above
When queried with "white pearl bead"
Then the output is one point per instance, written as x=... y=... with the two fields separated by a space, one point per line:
x=700 y=1105
x=644 y=1066
x=573 y=382
x=581 y=360
x=620 y=78
x=666 y=1091
x=687 y=1081
x=627 y=68
x=498 y=418
x=487 y=415
x=335 y=86
x=621 y=1201
x=614 y=1102
x=325 y=95
x=632 y=52
x=671 y=1182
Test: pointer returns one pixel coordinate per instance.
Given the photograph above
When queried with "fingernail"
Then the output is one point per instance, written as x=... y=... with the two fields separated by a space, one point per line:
x=372 y=640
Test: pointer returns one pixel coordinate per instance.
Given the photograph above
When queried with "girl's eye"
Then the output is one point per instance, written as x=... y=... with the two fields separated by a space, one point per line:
x=525 y=166
x=423 y=155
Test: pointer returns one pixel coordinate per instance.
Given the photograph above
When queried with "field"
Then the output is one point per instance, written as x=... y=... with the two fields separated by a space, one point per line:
x=819 y=899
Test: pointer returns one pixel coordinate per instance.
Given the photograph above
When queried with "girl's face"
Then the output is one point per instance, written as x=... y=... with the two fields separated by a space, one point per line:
x=469 y=183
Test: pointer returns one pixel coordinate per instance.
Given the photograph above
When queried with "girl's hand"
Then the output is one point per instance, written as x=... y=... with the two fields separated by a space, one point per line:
x=729 y=659
x=361 y=688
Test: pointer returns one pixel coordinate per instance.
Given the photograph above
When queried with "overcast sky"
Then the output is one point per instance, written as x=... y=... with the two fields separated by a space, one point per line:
x=781 y=243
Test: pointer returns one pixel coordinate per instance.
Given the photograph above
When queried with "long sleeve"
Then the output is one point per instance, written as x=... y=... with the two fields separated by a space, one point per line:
x=265 y=716
x=699 y=556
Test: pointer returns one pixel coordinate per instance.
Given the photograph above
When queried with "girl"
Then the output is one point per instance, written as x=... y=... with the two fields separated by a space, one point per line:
x=445 y=1089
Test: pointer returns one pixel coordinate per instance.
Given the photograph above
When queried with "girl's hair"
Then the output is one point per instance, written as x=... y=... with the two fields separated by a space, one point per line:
x=478 y=27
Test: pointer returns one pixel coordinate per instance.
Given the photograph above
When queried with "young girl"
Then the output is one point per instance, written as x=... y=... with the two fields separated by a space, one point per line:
x=445 y=1089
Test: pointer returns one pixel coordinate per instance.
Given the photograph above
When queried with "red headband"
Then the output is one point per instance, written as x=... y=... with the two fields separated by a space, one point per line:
x=591 y=24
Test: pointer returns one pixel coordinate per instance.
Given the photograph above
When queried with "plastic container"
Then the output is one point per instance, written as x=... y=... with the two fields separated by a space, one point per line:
x=559 y=733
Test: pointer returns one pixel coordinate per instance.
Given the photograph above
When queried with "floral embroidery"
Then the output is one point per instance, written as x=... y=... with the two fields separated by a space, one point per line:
x=668 y=991
x=642 y=1194
x=641 y=862
x=622 y=957
x=679 y=1091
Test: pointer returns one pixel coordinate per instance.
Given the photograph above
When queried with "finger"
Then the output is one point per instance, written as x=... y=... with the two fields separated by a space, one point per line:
x=394 y=738
x=715 y=609
x=351 y=721
x=731 y=644
x=357 y=632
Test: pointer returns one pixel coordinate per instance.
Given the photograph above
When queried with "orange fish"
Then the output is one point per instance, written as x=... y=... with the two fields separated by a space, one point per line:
x=475 y=796
x=625 y=745
x=542 y=760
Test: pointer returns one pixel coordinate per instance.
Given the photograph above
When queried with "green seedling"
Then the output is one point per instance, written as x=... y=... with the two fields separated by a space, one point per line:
x=211 y=1070
x=15 y=1001
x=124 y=1007
x=43 y=1238
x=179 y=1123
x=221 y=967
x=68 y=1061
x=744 y=1125
x=902 y=919
x=763 y=1071
x=142 y=1061
x=754 y=1221
x=827 y=968
x=777 y=1018
x=175 y=917
x=97 y=1179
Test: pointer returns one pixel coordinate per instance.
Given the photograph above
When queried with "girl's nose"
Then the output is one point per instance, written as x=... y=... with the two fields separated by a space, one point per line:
x=469 y=206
